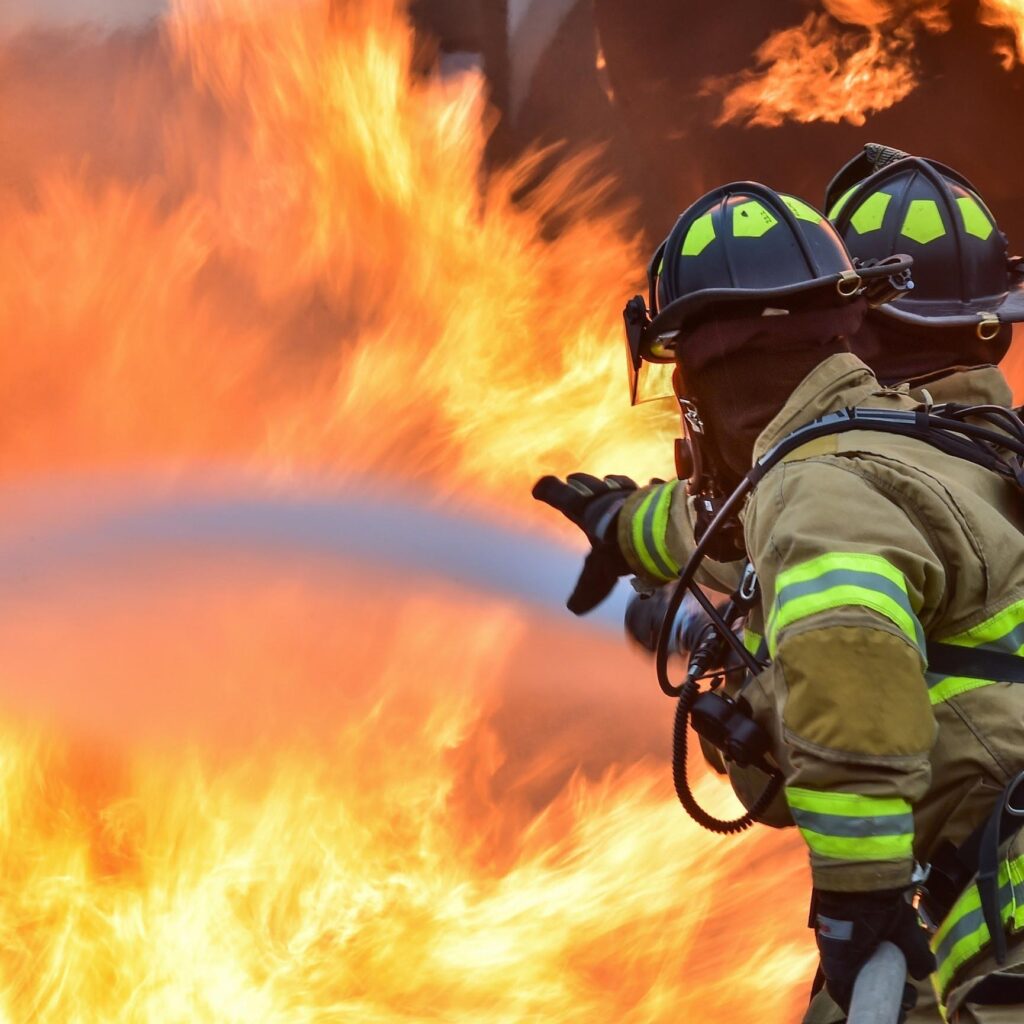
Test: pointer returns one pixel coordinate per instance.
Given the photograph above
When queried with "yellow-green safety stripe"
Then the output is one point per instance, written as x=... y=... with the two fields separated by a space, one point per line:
x=648 y=533
x=841 y=579
x=852 y=827
x=1002 y=633
x=963 y=934
x=752 y=641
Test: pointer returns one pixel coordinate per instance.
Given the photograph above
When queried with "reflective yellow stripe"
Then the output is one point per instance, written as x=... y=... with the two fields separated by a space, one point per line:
x=842 y=579
x=943 y=688
x=964 y=935
x=801 y=210
x=648 y=532
x=637 y=532
x=870 y=214
x=852 y=805
x=752 y=219
x=860 y=848
x=856 y=560
x=1000 y=627
x=661 y=511
x=1002 y=632
x=752 y=641
x=851 y=827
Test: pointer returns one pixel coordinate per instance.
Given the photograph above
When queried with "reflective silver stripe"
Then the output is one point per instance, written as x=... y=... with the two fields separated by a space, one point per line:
x=856 y=578
x=1009 y=643
x=970 y=923
x=853 y=828
x=832 y=928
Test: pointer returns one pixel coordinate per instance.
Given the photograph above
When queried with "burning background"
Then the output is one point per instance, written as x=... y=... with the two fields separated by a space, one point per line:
x=293 y=727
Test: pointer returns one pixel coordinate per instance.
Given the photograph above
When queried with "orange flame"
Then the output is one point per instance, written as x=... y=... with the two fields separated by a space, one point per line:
x=316 y=275
x=1006 y=14
x=279 y=250
x=817 y=71
x=397 y=853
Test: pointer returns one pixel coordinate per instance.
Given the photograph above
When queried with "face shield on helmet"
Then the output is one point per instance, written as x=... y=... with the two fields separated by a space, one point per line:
x=650 y=375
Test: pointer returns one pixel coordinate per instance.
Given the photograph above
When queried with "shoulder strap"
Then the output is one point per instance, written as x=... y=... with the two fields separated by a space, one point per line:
x=974 y=662
x=827 y=444
x=953 y=436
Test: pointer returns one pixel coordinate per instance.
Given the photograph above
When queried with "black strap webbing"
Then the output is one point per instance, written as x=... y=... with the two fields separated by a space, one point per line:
x=998 y=990
x=974 y=662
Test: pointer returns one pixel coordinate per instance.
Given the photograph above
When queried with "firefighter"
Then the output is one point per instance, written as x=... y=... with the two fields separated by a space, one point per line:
x=942 y=336
x=876 y=555
x=929 y=338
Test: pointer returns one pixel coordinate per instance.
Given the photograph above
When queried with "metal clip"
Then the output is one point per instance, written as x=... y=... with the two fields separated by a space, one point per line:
x=691 y=415
x=1011 y=792
x=748 y=585
x=989 y=326
x=849 y=284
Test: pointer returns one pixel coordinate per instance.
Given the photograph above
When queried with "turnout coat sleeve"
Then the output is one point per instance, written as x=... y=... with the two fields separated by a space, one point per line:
x=655 y=535
x=847 y=578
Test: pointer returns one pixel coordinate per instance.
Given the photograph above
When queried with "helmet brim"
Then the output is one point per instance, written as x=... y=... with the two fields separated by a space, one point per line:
x=1006 y=309
x=689 y=309
x=659 y=337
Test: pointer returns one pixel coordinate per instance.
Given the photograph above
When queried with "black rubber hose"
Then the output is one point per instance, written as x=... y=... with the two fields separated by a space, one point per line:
x=707 y=821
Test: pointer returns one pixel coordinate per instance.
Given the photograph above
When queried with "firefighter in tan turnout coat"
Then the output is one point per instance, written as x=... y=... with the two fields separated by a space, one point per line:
x=878 y=555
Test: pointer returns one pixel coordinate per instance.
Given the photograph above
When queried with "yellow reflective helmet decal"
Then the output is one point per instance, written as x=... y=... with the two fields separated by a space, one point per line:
x=870 y=213
x=841 y=202
x=976 y=221
x=923 y=222
x=699 y=237
x=752 y=220
x=801 y=210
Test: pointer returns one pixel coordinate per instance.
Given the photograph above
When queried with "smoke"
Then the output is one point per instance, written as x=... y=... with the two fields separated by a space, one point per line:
x=18 y=15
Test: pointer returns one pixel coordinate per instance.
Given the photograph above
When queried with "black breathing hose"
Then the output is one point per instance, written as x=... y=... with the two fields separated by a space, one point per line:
x=690 y=691
x=940 y=431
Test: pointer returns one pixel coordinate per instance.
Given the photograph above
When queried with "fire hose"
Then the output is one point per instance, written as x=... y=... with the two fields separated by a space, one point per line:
x=878 y=990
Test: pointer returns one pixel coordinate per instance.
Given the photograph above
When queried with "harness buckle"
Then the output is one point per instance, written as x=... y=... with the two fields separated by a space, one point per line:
x=1015 y=787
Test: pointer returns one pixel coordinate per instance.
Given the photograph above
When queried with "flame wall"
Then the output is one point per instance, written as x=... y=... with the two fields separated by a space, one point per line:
x=252 y=781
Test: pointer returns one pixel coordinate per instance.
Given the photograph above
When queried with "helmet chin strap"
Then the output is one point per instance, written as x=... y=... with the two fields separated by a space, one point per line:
x=709 y=486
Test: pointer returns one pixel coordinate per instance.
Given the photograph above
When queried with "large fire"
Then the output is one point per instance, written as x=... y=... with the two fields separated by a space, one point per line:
x=235 y=790
x=379 y=823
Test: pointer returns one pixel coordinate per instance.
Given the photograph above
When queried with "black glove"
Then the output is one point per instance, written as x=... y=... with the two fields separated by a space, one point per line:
x=850 y=926
x=594 y=506
x=645 y=615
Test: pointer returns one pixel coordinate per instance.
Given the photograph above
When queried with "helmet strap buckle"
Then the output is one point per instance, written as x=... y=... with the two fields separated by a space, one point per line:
x=849 y=284
x=989 y=326
x=691 y=416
